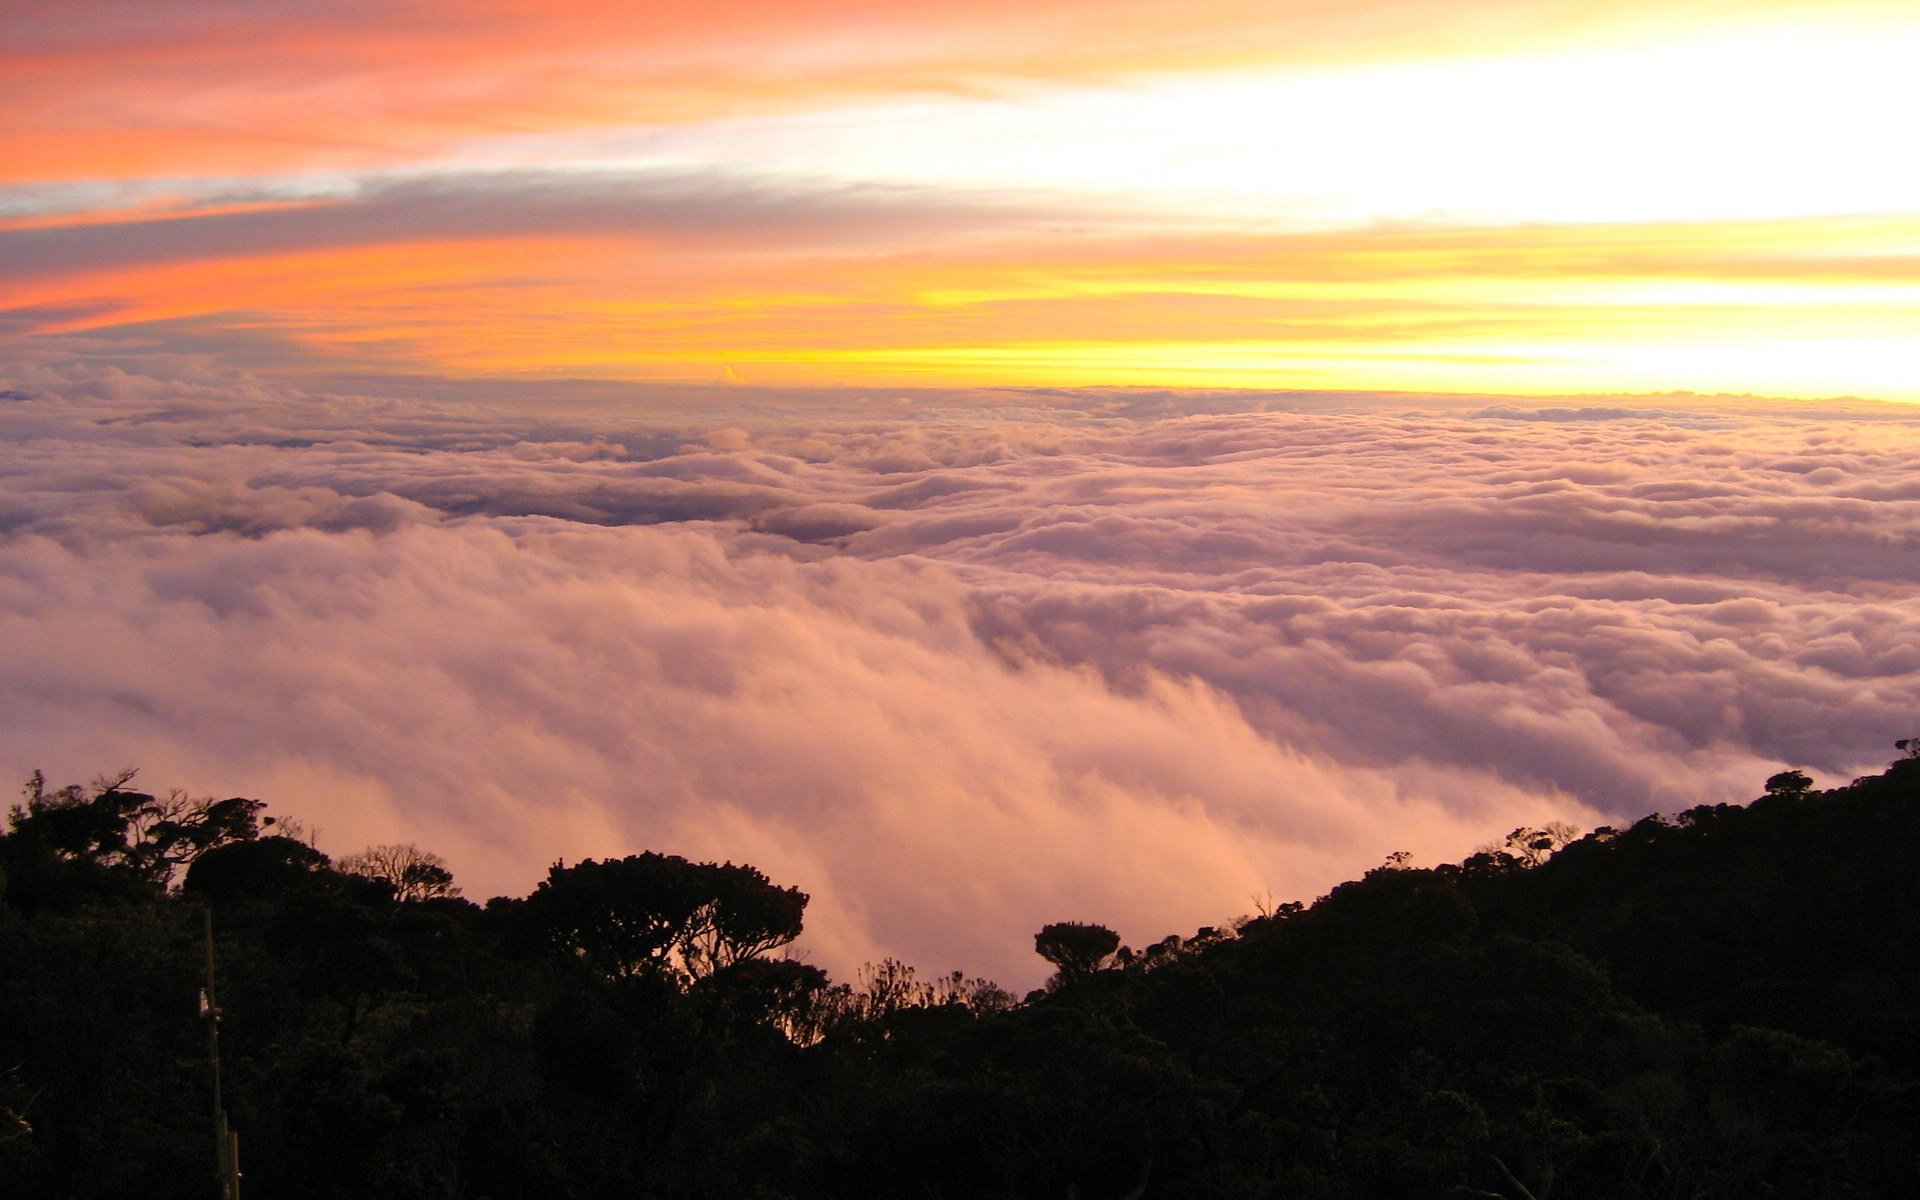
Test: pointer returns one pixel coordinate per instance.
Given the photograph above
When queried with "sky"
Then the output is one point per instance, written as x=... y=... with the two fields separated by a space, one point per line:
x=1424 y=195
x=986 y=464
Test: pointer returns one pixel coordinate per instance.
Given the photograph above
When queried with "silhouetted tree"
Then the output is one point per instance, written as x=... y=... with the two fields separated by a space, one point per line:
x=1722 y=1003
x=1788 y=783
x=659 y=912
x=412 y=873
x=742 y=916
x=1529 y=846
x=1076 y=949
x=776 y=992
x=265 y=868
x=145 y=837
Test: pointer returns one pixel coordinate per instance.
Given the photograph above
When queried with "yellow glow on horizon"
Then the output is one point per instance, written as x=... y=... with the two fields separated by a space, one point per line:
x=1874 y=368
x=1721 y=199
x=1799 y=308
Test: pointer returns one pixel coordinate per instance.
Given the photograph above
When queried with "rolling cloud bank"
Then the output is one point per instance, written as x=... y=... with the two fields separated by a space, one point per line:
x=956 y=667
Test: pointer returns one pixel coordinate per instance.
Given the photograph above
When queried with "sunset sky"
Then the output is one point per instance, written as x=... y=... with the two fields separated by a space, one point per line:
x=1438 y=195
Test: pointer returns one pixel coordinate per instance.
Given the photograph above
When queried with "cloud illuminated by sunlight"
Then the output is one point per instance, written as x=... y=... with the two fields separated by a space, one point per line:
x=1380 y=195
x=1778 y=123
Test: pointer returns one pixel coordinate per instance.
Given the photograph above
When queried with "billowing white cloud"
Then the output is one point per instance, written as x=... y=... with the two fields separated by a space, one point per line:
x=957 y=667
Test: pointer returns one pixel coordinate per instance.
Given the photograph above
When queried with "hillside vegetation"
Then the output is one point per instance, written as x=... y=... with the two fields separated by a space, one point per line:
x=1725 y=1003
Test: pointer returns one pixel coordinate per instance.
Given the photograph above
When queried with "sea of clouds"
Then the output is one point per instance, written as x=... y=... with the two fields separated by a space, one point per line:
x=956 y=664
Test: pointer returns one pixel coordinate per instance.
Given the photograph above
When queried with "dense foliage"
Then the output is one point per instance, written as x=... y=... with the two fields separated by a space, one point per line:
x=1725 y=1003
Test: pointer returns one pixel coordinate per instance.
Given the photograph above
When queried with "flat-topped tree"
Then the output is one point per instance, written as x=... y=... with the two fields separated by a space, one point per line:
x=1789 y=783
x=660 y=912
x=1078 y=950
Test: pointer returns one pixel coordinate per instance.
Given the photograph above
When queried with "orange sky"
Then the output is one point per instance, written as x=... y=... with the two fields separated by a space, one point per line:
x=1452 y=195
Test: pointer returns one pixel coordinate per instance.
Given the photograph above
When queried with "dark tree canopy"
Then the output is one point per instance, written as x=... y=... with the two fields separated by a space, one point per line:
x=1076 y=949
x=260 y=869
x=137 y=834
x=1724 y=1002
x=1789 y=783
x=660 y=912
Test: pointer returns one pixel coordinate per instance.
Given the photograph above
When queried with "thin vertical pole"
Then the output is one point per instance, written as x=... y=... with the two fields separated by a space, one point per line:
x=225 y=1141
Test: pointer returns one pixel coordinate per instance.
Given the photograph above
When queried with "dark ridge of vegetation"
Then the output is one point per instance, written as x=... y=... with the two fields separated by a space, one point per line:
x=1721 y=1004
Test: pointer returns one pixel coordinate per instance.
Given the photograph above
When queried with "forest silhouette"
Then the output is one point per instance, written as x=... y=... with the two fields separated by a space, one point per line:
x=1724 y=1003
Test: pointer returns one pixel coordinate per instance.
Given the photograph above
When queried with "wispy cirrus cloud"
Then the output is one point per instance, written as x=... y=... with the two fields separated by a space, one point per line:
x=217 y=87
x=702 y=208
x=691 y=274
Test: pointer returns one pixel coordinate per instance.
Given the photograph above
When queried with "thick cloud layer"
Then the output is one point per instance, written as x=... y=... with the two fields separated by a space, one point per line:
x=958 y=666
